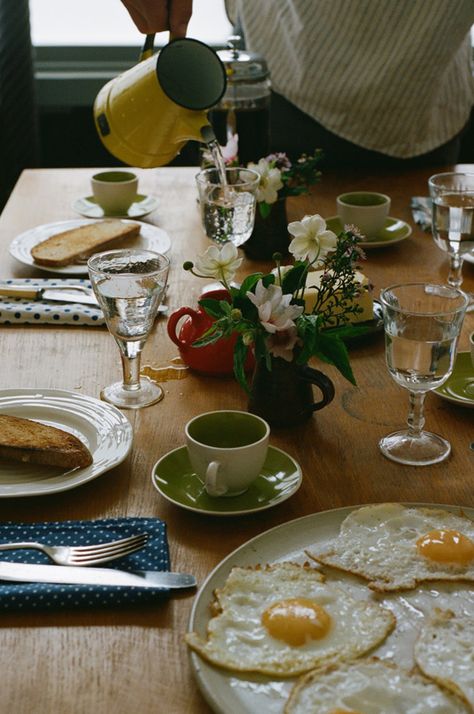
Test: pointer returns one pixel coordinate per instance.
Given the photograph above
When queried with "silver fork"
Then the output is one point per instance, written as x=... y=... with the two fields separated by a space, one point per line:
x=85 y=554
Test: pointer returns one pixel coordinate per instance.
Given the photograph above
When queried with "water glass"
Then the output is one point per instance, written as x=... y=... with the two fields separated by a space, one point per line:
x=228 y=208
x=422 y=324
x=129 y=285
x=452 y=195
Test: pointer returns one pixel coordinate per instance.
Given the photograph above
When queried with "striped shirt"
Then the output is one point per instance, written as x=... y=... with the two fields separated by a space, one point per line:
x=393 y=76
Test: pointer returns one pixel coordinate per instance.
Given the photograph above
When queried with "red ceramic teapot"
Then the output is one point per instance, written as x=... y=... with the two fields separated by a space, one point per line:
x=216 y=359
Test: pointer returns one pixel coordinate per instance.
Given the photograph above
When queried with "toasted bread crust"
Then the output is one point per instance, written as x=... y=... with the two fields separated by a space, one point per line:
x=78 y=243
x=32 y=442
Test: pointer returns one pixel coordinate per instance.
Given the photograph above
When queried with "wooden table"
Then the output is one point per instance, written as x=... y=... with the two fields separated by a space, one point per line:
x=135 y=661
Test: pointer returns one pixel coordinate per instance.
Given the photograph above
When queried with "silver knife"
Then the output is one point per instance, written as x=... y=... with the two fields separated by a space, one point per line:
x=32 y=573
x=55 y=295
x=59 y=295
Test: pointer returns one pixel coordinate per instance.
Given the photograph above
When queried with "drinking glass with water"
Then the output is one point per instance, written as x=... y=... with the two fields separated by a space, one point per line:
x=129 y=285
x=422 y=324
x=227 y=197
x=453 y=219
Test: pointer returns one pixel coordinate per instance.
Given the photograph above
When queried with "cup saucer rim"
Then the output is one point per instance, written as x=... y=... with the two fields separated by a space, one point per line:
x=293 y=480
x=92 y=203
x=377 y=241
x=462 y=364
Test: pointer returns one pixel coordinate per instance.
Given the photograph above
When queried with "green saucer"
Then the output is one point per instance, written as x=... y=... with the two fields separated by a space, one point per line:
x=394 y=231
x=173 y=477
x=459 y=388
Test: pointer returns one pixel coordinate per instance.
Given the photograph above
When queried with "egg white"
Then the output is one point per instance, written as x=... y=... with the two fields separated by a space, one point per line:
x=444 y=652
x=369 y=687
x=378 y=542
x=237 y=639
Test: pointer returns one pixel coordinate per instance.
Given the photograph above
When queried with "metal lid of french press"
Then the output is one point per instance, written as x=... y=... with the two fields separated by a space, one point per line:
x=242 y=65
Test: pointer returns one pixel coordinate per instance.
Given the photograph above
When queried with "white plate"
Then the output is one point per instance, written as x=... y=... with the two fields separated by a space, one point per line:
x=149 y=238
x=229 y=693
x=105 y=431
x=88 y=207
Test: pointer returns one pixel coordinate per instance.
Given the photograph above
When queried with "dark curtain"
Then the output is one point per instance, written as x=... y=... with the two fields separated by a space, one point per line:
x=18 y=120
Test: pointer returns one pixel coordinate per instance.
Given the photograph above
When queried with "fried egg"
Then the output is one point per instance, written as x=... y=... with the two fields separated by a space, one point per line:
x=284 y=619
x=396 y=547
x=444 y=652
x=369 y=687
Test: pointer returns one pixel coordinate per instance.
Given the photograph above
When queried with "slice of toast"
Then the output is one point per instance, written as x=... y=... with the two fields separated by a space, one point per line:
x=76 y=244
x=32 y=442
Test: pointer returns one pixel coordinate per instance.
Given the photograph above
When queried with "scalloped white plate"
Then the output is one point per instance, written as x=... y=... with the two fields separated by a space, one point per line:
x=149 y=238
x=105 y=431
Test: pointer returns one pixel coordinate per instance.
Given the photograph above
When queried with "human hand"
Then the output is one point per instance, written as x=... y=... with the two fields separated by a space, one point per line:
x=158 y=15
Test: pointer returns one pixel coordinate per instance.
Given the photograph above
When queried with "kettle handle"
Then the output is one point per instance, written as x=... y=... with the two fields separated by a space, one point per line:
x=173 y=320
x=147 y=49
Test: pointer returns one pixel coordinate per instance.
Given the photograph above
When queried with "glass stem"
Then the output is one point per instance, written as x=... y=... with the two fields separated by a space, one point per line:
x=416 y=419
x=455 y=270
x=130 y=352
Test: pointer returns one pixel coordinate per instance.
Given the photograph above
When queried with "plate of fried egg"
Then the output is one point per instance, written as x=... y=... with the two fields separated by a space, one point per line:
x=351 y=611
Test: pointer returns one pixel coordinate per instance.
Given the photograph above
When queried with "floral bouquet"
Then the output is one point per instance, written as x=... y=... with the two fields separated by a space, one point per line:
x=269 y=311
x=280 y=178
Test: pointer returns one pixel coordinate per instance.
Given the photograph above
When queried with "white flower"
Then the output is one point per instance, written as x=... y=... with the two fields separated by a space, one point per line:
x=219 y=263
x=274 y=309
x=311 y=239
x=270 y=181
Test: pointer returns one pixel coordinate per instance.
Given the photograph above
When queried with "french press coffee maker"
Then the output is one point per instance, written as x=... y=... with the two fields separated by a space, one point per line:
x=244 y=109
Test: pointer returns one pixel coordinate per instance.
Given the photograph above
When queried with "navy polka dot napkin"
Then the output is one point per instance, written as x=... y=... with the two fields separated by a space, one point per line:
x=21 y=310
x=32 y=596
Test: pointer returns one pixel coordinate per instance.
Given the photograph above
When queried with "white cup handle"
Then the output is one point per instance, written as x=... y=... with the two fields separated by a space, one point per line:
x=211 y=485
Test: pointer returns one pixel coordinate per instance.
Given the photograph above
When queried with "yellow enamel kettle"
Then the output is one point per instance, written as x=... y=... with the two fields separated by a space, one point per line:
x=146 y=115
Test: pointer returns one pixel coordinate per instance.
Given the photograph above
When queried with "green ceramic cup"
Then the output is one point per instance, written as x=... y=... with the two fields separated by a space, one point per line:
x=227 y=450
x=367 y=210
x=115 y=191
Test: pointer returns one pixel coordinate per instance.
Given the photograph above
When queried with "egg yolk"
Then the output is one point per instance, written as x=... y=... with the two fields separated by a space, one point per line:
x=446 y=547
x=296 y=620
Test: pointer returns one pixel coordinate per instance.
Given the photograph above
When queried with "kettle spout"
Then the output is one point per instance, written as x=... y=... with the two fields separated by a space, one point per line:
x=193 y=126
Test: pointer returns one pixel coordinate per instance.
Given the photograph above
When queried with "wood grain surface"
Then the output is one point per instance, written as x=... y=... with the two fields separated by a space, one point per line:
x=125 y=661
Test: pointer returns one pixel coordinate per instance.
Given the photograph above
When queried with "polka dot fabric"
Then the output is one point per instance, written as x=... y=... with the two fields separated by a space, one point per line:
x=21 y=310
x=35 y=596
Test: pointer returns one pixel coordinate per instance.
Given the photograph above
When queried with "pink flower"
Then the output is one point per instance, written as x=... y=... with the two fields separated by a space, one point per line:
x=281 y=343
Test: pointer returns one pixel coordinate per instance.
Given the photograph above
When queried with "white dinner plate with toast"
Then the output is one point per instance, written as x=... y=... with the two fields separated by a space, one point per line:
x=104 y=430
x=229 y=692
x=150 y=238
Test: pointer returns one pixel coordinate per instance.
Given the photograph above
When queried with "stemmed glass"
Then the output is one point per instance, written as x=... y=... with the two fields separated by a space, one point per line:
x=228 y=202
x=422 y=324
x=452 y=195
x=129 y=285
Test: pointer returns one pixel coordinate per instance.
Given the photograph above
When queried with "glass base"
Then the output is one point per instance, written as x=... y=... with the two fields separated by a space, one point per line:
x=423 y=450
x=148 y=394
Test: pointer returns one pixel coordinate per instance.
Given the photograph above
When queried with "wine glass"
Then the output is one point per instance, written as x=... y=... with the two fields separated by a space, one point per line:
x=452 y=195
x=228 y=209
x=422 y=324
x=129 y=285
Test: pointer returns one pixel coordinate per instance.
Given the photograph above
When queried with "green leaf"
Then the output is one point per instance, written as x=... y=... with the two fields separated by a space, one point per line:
x=331 y=349
x=240 y=355
x=264 y=209
x=268 y=279
x=292 y=280
x=208 y=338
x=212 y=307
x=249 y=283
